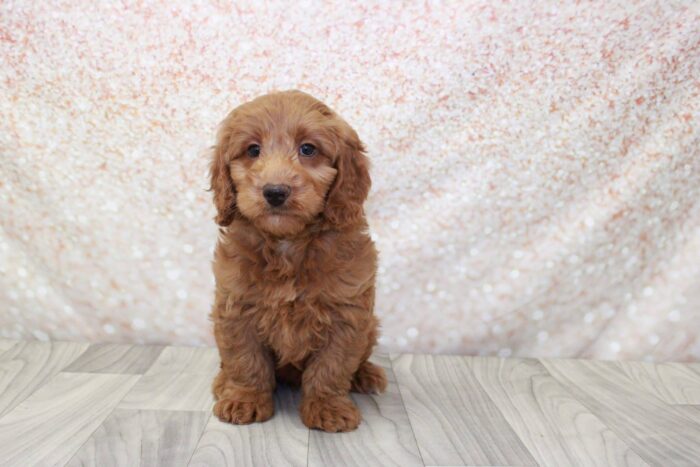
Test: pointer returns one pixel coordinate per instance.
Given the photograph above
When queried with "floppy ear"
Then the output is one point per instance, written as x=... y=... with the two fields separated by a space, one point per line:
x=221 y=182
x=352 y=182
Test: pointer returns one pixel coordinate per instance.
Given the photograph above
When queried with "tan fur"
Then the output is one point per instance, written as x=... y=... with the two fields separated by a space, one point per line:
x=294 y=286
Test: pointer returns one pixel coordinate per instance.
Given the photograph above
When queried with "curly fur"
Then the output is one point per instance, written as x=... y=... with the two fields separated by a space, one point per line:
x=294 y=286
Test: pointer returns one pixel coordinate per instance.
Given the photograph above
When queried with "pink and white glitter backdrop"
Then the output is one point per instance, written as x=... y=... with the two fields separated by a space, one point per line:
x=536 y=165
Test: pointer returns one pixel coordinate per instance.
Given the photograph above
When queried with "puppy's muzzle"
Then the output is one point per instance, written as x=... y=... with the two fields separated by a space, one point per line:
x=276 y=195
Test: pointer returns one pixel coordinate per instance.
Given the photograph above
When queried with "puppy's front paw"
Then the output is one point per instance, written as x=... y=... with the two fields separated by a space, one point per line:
x=331 y=414
x=241 y=413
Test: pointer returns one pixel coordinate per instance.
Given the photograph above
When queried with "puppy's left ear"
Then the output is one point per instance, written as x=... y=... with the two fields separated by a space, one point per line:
x=345 y=199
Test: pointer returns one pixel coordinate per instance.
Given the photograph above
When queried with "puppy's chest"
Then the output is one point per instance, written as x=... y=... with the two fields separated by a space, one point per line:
x=281 y=278
x=284 y=274
x=294 y=330
x=291 y=316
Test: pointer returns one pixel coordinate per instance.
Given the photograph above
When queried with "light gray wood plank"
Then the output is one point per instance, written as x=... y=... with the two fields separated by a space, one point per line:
x=116 y=358
x=556 y=428
x=179 y=379
x=661 y=434
x=282 y=440
x=692 y=411
x=6 y=344
x=673 y=383
x=50 y=426
x=26 y=366
x=454 y=420
x=383 y=438
x=185 y=360
x=143 y=437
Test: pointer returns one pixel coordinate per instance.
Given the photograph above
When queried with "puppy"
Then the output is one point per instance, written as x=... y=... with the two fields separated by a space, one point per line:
x=294 y=264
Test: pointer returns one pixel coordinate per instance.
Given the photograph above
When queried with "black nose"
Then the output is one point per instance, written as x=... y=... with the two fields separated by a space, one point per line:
x=276 y=195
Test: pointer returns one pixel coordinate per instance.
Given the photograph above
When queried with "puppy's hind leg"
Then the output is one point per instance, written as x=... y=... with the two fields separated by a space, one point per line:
x=369 y=379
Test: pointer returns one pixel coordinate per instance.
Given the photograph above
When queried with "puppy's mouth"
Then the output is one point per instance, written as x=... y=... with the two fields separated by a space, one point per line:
x=283 y=210
x=278 y=214
x=280 y=221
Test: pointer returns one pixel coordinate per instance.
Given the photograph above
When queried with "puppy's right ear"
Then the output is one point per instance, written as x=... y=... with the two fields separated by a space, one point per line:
x=221 y=182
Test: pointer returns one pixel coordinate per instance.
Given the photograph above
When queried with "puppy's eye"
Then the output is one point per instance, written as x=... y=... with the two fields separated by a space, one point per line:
x=253 y=151
x=307 y=150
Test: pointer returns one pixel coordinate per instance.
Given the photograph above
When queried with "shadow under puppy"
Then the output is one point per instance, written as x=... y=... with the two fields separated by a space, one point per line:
x=294 y=264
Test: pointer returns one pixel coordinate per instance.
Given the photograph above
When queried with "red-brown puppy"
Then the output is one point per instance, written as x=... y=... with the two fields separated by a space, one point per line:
x=294 y=264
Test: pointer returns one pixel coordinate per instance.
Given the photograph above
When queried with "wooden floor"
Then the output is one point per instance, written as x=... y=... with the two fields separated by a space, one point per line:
x=78 y=404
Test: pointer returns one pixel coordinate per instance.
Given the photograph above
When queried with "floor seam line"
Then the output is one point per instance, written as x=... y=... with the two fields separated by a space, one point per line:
x=201 y=435
x=405 y=409
x=87 y=438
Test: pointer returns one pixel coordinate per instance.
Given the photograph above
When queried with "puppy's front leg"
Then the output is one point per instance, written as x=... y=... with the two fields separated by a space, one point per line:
x=326 y=382
x=244 y=386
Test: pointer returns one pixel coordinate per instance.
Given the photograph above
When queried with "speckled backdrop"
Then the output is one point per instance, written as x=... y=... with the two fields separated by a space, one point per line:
x=536 y=165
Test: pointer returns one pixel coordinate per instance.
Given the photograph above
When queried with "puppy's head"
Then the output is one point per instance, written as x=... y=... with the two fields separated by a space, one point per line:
x=285 y=160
